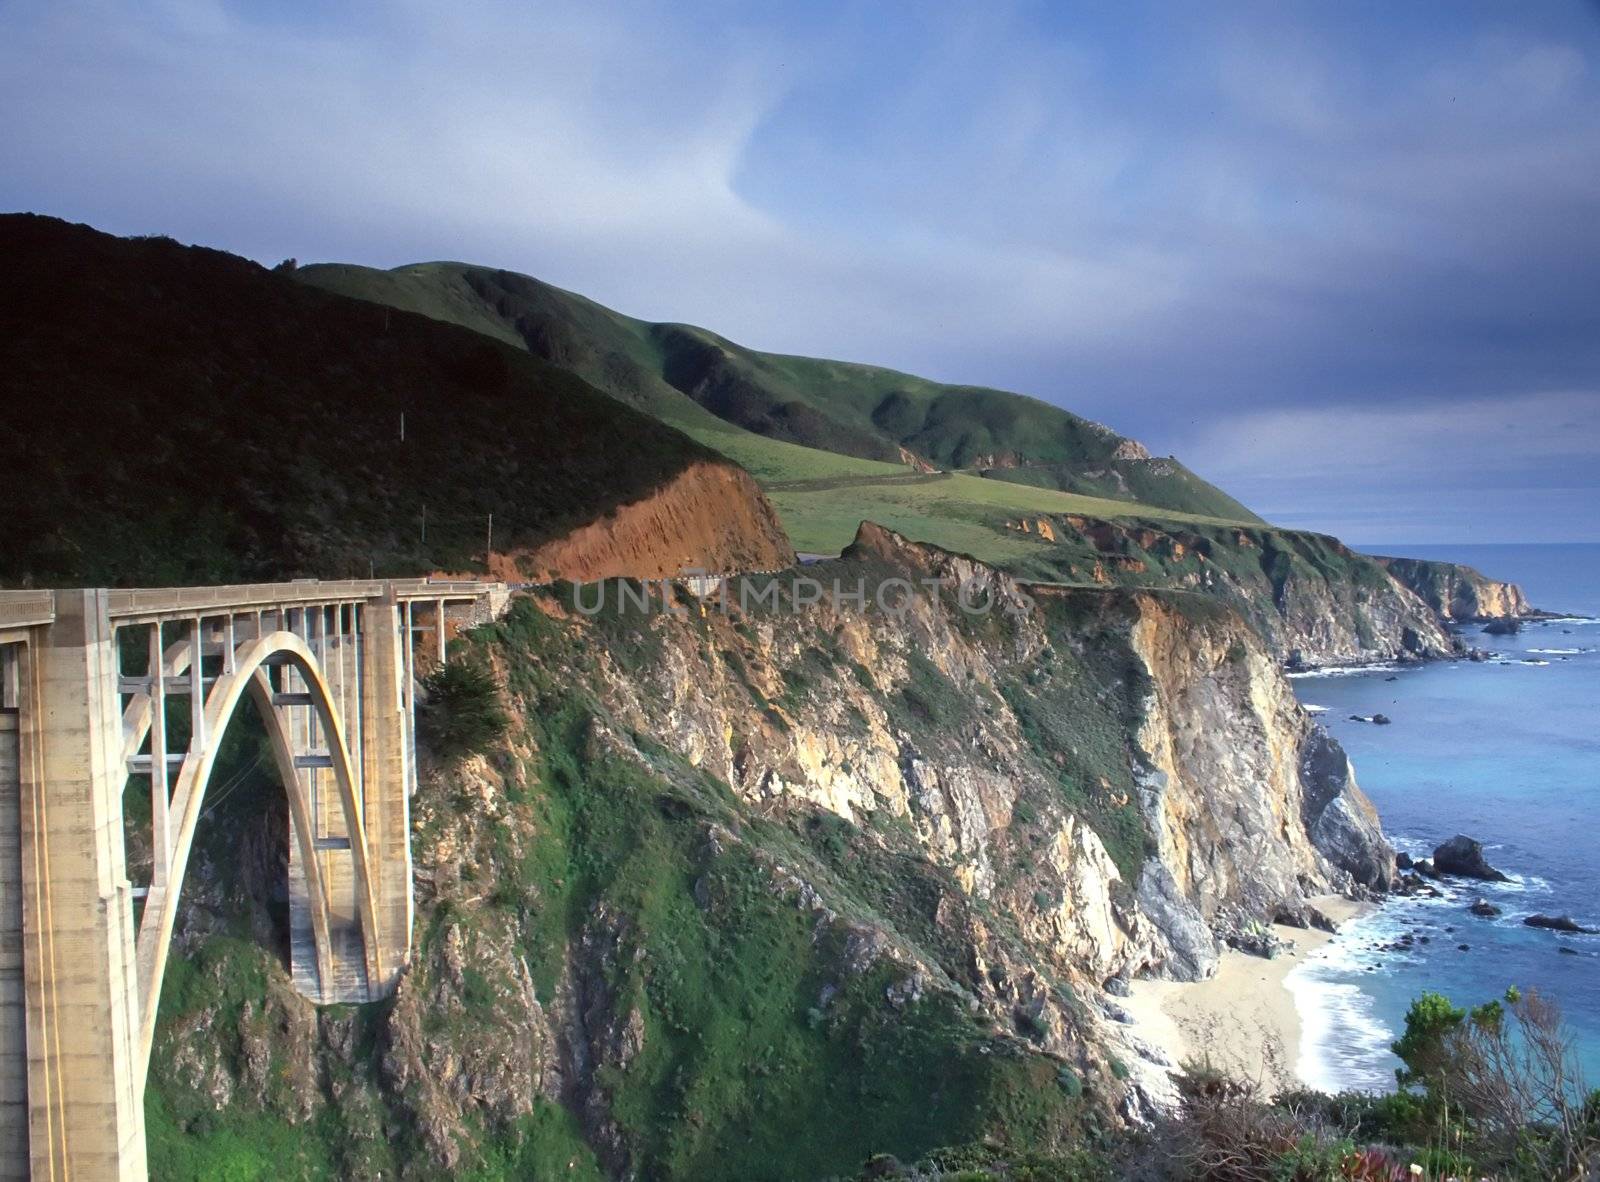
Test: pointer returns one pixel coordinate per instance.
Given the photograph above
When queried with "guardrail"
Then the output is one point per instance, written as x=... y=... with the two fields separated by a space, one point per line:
x=156 y=601
x=26 y=609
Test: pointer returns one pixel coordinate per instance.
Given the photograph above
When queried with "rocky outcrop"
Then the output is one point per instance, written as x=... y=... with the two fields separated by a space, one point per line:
x=1342 y=822
x=1313 y=600
x=1560 y=923
x=1463 y=857
x=711 y=517
x=1251 y=804
x=1458 y=593
x=1243 y=802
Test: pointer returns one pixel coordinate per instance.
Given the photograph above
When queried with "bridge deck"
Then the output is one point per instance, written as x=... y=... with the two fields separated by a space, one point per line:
x=32 y=609
x=146 y=603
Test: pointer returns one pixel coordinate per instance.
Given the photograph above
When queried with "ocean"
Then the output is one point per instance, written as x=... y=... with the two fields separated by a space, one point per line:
x=1507 y=752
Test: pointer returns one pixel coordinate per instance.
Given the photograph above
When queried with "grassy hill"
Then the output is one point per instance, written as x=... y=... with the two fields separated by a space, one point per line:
x=724 y=394
x=183 y=415
x=958 y=511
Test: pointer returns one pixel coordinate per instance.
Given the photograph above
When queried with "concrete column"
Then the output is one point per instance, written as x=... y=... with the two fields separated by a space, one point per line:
x=13 y=1016
x=86 y=1106
x=385 y=758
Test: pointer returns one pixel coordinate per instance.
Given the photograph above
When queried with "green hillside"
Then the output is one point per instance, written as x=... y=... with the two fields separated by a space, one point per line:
x=192 y=417
x=723 y=394
x=956 y=510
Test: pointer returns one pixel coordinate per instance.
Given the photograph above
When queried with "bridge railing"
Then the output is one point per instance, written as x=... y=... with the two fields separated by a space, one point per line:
x=26 y=609
x=143 y=603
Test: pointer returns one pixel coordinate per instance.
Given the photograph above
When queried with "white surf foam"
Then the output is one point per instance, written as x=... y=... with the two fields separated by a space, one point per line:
x=1313 y=709
x=1522 y=884
x=1345 y=671
x=1343 y=1044
x=1556 y=651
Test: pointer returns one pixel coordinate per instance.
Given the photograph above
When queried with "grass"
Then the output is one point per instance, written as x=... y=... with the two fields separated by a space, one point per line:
x=958 y=512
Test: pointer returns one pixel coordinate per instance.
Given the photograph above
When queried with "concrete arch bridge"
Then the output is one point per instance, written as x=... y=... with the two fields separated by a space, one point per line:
x=97 y=687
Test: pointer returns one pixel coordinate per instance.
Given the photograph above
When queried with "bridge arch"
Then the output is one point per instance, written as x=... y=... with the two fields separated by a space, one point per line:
x=249 y=676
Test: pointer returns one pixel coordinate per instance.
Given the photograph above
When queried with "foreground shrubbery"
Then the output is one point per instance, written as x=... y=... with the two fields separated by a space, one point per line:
x=1490 y=1093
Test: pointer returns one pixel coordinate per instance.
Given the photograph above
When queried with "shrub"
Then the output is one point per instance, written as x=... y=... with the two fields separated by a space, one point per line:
x=1422 y=1047
x=1506 y=1075
x=461 y=712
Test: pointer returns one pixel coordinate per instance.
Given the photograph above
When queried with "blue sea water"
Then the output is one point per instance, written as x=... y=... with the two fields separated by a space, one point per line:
x=1507 y=752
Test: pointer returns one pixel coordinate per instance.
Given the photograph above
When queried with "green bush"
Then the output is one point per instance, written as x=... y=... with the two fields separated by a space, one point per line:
x=1421 y=1047
x=461 y=713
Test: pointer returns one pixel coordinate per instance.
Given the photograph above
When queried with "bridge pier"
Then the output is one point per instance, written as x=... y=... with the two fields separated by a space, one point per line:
x=85 y=1093
x=386 y=753
x=13 y=1014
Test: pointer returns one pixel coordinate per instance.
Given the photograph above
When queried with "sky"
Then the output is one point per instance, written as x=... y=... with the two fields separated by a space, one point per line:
x=1342 y=259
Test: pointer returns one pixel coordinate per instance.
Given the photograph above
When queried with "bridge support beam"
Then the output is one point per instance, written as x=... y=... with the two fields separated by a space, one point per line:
x=86 y=1102
x=386 y=748
x=13 y=1016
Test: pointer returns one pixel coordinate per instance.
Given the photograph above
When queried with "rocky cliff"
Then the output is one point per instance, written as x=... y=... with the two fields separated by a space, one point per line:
x=1458 y=593
x=1313 y=599
x=758 y=884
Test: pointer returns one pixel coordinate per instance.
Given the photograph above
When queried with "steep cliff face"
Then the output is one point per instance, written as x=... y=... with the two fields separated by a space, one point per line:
x=760 y=883
x=711 y=517
x=1456 y=592
x=1251 y=803
x=1313 y=599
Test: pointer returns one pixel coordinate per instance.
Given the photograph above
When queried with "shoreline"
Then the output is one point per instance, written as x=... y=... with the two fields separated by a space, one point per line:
x=1244 y=1019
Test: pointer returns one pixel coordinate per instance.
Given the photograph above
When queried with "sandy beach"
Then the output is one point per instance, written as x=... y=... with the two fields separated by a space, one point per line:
x=1243 y=1019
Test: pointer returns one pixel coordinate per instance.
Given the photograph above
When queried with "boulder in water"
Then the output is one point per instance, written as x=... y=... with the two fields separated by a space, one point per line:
x=1463 y=857
x=1560 y=923
x=1484 y=908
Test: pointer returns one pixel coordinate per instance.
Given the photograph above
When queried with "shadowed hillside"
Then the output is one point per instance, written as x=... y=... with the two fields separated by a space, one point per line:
x=860 y=411
x=191 y=417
